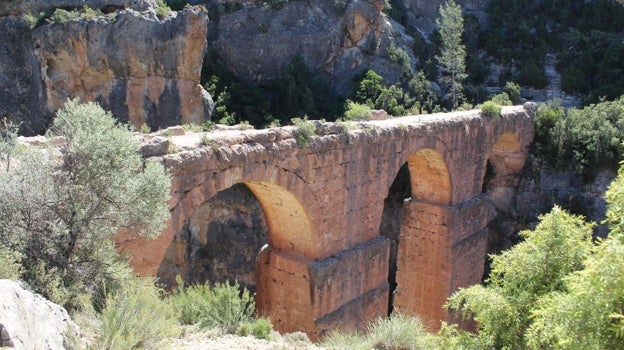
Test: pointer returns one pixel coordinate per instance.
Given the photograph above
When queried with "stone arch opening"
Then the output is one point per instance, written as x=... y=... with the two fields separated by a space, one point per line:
x=430 y=177
x=424 y=262
x=289 y=224
x=224 y=236
x=500 y=180
x=245 y=233
x=391 y=219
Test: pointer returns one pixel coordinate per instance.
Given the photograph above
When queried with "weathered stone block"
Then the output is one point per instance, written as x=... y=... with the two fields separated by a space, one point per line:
x=347 y=275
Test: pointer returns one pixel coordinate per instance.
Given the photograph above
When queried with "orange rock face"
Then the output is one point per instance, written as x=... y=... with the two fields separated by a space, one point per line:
x=119 y=63
x=327 y=264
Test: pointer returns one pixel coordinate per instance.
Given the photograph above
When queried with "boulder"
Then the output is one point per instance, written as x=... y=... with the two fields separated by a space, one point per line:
x=28 y=321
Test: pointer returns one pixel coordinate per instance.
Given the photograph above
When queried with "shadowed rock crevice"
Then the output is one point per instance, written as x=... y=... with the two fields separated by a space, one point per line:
x=400 y=191
x=223 y=238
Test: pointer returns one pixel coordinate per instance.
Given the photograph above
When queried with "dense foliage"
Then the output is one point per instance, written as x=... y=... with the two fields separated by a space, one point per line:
x=584 y=138
x=555 y=290
x=585 y=37
x=61 y=203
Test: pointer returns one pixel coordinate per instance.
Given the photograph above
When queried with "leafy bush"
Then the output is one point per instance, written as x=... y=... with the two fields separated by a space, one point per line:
x=260 y=328
x=62 y=204
x=10 y=267
x=501 y=99
x=135 y=316
x=491 y=109
x=162 y=10
x=585 y=138
x=357 y=111
x=522 y=275
x=513 y=92
x=223 y=306
x=305 y=130
x=61 y=16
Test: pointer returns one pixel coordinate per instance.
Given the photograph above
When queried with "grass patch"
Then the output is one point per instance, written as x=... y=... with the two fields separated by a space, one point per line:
x=136 y=317
x=399 y=332
x=305 y=130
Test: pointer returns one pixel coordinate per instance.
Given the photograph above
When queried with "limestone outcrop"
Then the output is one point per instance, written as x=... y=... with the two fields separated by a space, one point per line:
x=144 y=69
x=29 y=321
x=336 y=39
x=20 y=7
x=421 y=15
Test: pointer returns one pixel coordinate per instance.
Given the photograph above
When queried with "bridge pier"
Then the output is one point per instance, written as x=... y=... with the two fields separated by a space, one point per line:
x=441 y=249
x=343 y=291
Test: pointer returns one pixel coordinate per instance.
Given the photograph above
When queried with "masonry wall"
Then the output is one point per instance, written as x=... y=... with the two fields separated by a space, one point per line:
x=326 y=265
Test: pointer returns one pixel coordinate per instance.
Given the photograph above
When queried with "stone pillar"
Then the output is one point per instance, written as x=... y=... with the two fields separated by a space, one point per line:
x=343 y=291
x=441 y=248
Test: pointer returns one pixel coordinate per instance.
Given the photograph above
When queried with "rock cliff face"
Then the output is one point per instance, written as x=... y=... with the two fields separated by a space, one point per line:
x=144 y=69
x=335 y=39
x=20 y=7
x=421 y=14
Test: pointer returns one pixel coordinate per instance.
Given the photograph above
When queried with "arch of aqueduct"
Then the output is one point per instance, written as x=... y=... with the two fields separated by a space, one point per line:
x=327 y=263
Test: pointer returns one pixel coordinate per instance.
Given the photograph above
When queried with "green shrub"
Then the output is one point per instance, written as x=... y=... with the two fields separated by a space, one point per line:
x=586 y=138
x=522 y=275
x=260 y=328
x=490 y=109
x=305 y=130
x=135 y=316
x=60 y=16
x=548 y=115
x=369 y=87
x=10 y=267
x=162 y=10
x=501 y=99
x=223 y=306
x=34 y=20
x=357 y=111
x=513 y=91
x=395 y=332
x=60 y=215
x=190 y=302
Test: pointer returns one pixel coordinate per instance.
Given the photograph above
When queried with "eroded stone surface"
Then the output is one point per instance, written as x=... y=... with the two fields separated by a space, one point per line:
x=144 y=69
x=29 y=321
x=323 y=206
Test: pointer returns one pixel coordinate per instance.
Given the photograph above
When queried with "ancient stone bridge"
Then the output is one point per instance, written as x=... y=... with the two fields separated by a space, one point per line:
x=363 y=218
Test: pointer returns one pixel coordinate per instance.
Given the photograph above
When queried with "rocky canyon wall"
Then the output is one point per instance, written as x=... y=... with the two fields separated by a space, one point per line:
x=336 y=39
x=144 y=69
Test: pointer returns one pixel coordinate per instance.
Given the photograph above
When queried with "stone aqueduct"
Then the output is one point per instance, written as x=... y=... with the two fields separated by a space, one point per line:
x=327 y=263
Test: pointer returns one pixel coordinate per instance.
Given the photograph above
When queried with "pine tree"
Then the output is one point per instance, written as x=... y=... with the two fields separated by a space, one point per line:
x=452 y=58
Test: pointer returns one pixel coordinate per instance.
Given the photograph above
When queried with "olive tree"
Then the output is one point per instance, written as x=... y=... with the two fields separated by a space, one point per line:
x=61 y=203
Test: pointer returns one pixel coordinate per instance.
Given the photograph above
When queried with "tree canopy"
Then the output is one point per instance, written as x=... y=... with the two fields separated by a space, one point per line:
x=62 y=202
